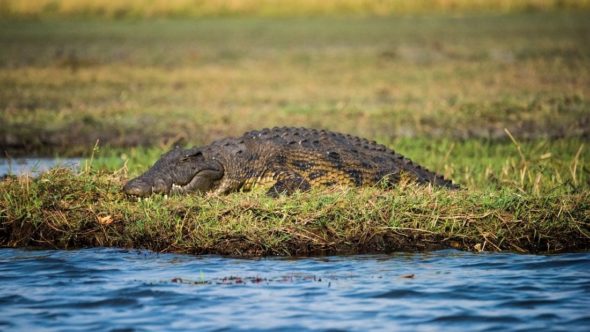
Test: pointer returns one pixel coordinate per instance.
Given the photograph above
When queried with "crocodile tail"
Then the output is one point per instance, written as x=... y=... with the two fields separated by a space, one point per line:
x=426 y=176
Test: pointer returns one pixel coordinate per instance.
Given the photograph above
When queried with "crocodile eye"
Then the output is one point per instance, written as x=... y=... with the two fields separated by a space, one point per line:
x=191 y=155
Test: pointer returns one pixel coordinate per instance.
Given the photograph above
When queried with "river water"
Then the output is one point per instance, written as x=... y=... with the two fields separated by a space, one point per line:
x=34 y=166
x=105 y=289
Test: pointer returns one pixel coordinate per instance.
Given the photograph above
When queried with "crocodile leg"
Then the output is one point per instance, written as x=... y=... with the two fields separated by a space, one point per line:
x=288 y=184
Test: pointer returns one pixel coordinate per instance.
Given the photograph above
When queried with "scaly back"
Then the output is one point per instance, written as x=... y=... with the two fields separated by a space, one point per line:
x=286 y=159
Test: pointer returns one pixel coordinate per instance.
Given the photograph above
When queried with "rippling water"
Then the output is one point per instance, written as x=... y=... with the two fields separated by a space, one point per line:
x=34 y=166
x=107 y=289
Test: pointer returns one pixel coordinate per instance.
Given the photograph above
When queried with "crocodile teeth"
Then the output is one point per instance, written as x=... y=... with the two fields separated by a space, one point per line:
x=176 y=189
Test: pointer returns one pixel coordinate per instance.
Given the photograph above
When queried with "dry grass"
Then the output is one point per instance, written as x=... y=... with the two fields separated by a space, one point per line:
x=191 y=8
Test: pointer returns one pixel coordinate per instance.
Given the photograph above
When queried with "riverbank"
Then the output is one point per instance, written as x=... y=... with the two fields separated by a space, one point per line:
x=64 y=210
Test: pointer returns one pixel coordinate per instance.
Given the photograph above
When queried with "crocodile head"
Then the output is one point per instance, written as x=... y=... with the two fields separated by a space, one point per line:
x=177 y=171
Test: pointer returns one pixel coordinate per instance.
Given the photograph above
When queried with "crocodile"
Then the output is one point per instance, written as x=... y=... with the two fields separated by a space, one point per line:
x=281 y=161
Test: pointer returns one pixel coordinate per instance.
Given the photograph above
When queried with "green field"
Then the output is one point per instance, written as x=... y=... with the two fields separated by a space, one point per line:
x=445 y=90
x=63 y=85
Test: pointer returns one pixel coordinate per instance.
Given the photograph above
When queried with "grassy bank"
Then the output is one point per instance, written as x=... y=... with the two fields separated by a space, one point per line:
x=522 y=198
x=267 y=8
x=60 y=210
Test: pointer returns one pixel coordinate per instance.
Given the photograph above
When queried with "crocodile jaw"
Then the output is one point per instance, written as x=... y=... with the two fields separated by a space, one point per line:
x=177 y=189
x=137 y=188
x=203 y=181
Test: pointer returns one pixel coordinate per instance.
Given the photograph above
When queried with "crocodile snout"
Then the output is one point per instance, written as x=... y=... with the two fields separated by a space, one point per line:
x=141 y=188
x=137 y=187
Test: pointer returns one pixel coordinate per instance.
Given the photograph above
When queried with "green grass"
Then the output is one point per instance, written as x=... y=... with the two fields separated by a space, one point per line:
x=498 y=103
